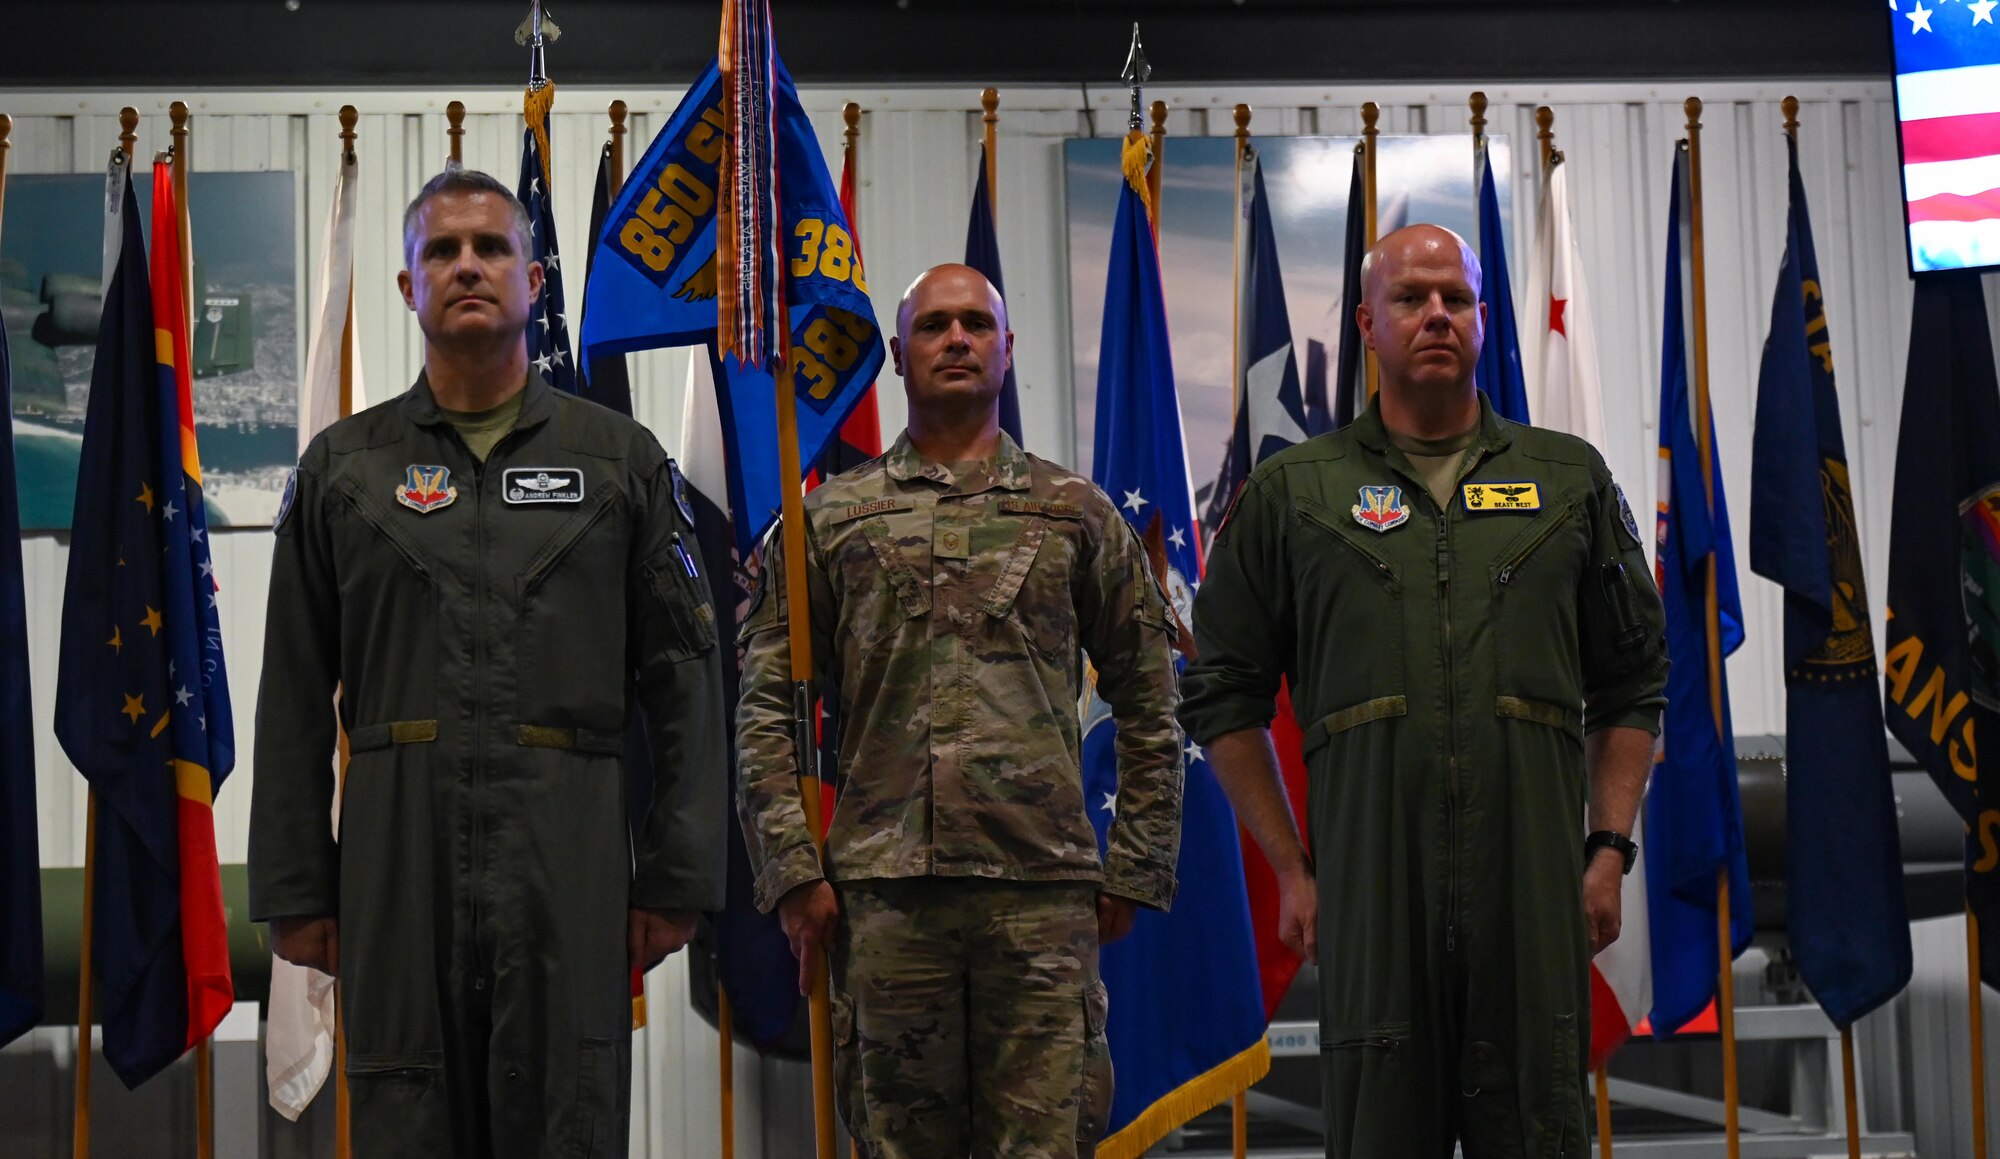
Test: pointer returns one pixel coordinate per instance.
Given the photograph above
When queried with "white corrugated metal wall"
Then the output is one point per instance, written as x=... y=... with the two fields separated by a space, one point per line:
x=918 y=153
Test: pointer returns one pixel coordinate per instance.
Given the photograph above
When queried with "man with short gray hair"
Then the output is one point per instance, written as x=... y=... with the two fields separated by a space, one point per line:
x=467 y=580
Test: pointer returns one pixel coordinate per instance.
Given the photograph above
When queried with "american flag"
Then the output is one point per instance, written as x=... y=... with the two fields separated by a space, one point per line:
x=1948 y=99
x=548 y=330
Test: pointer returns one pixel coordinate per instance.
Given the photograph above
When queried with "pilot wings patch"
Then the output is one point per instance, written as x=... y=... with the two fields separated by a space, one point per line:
x=542 y=485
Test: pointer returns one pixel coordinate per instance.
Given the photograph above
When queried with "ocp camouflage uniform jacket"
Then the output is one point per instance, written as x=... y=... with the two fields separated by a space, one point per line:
x=950 y=617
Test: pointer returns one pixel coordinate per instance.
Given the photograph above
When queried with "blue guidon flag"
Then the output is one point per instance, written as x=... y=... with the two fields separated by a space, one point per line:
x=654 y=283
x=1170 y=1067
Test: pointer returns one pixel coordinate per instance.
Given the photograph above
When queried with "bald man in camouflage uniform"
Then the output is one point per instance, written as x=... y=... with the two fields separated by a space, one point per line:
x=956 y=584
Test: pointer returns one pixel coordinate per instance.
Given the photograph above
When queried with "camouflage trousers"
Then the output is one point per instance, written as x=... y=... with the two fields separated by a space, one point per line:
x=969 y=1019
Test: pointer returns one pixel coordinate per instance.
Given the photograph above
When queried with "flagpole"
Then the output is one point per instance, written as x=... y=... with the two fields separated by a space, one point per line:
x=204 y=1060
x=1477 y=102
x=1545 y=119
x=1239 y=1103
x=454 y=132
x=1725 y=1003
x=1977 y=1025
x=1370 y=112
x=725 y=1021
x=1603 y=1084
x=6 y=146
x=617 y=111
x=989 y=104
x=1159 y=136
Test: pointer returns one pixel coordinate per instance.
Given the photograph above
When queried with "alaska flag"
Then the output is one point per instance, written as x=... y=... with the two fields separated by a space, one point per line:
x=548 y=329
x=1940 y=666
x=1499 y=372
x=657 y=285
x=1694 y=818
x=1187 y=1013
x=1844 y=908
x=142 y=700
x=982 y=253
x=1350 y=392
x=606 y=380
x=1269 y=406
x=20 y=863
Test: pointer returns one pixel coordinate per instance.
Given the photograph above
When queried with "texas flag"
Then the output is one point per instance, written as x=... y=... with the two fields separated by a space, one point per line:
x=1948 y=98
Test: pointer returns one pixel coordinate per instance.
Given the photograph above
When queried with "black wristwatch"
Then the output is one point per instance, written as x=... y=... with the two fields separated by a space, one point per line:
x=1611 y=839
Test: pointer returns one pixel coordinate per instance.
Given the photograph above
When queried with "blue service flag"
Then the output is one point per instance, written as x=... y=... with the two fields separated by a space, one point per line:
x=982 y=253
x=1270 y=406
x=654 y=284
x=140 y=685
x=1200 y=956
x=548 y=329
x=20 y=863
x=1940 y=659
x=1694 y=819
x=1844 y=909
x=1499 y=372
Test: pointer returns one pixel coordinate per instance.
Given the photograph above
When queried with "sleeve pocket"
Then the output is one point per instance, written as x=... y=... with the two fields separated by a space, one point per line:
x=686 y=622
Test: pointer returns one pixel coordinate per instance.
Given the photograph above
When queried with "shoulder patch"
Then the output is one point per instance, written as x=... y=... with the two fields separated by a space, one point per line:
x=855 y=511
x=1625 y=520
x=680 y=484
x=285 y=501
x=1050 y=508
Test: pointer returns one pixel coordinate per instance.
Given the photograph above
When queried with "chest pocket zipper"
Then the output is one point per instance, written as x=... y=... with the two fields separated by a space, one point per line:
x=566 y=537
x=373 y=515
x=1535 y=539
x=1312 y=513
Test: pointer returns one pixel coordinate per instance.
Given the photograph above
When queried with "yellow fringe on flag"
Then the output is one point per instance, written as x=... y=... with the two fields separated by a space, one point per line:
x=1203 y=1091
x=1136 y=158
x=535 y=106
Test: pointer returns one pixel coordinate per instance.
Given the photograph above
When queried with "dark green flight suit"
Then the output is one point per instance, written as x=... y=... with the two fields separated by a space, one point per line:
x=483 y=623
x=1444 y=666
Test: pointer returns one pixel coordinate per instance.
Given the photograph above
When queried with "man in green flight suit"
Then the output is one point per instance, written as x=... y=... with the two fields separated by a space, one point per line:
x=956 y=584
x=481 y=568
x=1476 y=656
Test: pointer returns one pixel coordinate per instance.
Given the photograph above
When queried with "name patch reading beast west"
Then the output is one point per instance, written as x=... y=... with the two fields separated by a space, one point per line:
x=542 y=485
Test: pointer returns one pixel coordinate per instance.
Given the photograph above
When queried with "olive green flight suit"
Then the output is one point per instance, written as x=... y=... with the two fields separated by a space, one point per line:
x=1445 y=665
x=483 y=623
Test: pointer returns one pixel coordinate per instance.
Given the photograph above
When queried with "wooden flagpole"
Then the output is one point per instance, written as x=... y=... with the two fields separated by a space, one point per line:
x=128 y=138
x=618 y=112
x=1977 y=1025
x=6 y=146
x=454 y=132
x=1370 y=113
x=343 y=1139
x=204 y=1054
x=1477 y=102
x=1725 y=997
x=989 y=104
x=1850 y=1103
x=1545 y=119
x=1239 y=1104
x=1159 y=141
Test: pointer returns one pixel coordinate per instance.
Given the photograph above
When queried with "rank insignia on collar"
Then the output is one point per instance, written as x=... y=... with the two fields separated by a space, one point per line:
x=425 y=489
x=1381 y=508
x=1484 y=497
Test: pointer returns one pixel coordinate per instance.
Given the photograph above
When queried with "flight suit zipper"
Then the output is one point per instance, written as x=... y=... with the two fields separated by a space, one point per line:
x=1381 y=565
x=1451 y=727
x=1540 y=536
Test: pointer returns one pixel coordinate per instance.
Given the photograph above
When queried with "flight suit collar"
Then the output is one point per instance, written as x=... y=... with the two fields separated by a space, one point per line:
x=1494 y=436
x=1010 y=465
x=537 y=402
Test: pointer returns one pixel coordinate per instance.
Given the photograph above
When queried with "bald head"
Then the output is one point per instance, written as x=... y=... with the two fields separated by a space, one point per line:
x=952 y=345
x=1420 y=312
x=955 y=276
x=1417 y=242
